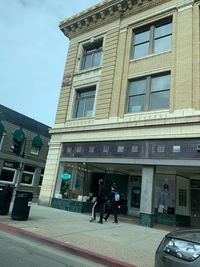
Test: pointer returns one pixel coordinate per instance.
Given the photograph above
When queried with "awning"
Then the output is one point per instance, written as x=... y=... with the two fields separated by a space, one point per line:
x=2 y=129
x=37 y=141
x=19 y=136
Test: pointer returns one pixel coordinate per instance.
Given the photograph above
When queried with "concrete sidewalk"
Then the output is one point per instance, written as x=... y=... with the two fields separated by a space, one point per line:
x=123 y=244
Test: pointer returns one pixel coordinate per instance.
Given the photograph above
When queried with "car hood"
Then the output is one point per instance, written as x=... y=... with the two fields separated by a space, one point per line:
x=192 y=235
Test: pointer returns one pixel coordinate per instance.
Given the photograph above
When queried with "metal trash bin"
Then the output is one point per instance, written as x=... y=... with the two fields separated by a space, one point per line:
x=21 y=206
x=6 y=191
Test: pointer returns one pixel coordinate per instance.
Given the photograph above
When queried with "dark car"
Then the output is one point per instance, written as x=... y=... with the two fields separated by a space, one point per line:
x=180 y=248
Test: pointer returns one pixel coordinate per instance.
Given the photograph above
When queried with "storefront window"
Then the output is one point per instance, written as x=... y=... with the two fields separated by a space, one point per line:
x=73 y=181
x=164 y=201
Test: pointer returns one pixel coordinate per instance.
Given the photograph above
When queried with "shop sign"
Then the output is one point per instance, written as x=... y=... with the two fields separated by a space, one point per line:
x=65 y=176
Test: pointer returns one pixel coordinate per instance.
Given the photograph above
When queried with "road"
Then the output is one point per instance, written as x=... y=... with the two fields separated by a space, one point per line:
x=16 y=251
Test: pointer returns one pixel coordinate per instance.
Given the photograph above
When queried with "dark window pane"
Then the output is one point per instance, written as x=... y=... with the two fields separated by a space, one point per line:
x=160 y=83
x=163 y=44
x=159 y=100
x=136 y=103
x=27 y=178
x=40 y=181
x=141 y=50
x=29 y=168
x=7 y=175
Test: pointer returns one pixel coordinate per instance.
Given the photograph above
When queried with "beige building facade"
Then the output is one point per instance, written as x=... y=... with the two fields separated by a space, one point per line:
x=129 y=111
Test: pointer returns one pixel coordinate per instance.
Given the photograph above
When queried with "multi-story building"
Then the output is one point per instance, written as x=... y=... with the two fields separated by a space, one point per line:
x=23 y=151
x=129 y=110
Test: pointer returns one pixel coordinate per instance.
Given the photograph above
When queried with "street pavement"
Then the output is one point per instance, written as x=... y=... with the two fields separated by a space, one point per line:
x=124 y=244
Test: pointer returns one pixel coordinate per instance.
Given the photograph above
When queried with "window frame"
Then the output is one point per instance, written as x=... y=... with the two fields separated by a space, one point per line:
x=84 y=99
x=29 y=173
x=91 y=50
x=148 y=92
x=152 y=38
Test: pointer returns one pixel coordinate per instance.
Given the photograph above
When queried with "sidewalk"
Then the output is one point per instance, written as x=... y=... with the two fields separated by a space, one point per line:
x=124 y=244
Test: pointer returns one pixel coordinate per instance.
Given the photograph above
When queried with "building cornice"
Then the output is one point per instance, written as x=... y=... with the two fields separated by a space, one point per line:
x=104 y=11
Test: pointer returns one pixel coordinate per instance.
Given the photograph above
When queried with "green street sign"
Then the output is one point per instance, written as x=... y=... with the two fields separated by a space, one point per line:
x=65 y=176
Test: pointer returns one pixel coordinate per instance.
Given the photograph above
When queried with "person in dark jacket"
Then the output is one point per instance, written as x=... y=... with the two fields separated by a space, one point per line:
x=113 y=205
x=100 y=201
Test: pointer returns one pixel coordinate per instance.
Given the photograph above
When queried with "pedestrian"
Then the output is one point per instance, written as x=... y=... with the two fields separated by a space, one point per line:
x=99 y=203
x=113 y=204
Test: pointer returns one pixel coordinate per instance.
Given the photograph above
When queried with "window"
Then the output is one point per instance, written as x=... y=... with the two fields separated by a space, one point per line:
x=182 y=197
x=41 y=178
x=69 y=149
x=7 y=175
x=149 y=93
x=176 y=149
x=85 y=103
x=92 y=55
x=152 y=39
x=160 y=148
x=27 y=175
x=134 y=149
x=78 y=149
x=105 y=149
x=91 y=149
x=120 y=149
x=35 y=150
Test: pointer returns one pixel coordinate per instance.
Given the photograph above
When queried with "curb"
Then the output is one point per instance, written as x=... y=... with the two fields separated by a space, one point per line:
x=92 y=256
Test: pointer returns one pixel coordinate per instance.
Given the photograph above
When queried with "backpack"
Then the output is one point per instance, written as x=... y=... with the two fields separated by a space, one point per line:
x=117 y=196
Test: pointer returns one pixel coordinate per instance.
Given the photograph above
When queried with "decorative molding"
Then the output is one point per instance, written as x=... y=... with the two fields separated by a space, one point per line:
x=106 y=9
x=187 y=4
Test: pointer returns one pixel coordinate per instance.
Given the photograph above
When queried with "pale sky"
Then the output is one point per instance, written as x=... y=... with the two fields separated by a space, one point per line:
x=33 y=51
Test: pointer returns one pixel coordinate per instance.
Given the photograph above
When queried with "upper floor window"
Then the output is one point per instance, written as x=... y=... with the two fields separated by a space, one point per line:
x=92 y=55
x=84 y=105
x=152 y=39
x=149 y=93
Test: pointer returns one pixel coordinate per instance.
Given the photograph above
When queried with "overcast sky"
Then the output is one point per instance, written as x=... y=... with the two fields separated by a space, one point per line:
x=33 y=51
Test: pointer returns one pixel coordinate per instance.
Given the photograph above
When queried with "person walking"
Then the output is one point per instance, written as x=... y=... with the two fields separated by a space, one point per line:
x=99 y=203
x=113 y=205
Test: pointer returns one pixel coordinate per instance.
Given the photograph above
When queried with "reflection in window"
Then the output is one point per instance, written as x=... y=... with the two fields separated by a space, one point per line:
x=120 y=149
x=84 y=105
x=149 y=93
x=151 y=39
x=92 y=55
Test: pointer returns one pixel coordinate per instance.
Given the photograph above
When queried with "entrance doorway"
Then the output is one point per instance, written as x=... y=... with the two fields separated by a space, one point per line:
x=195 y=203
x=134 y=195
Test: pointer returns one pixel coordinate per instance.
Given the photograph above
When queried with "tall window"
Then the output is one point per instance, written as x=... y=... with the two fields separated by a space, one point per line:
x=92 y=55
x=85 y=103
x=152 y=39
x=149 y=93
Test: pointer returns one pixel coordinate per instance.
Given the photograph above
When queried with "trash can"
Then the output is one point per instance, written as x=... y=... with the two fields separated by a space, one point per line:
x=6 y=191
x=21 y=206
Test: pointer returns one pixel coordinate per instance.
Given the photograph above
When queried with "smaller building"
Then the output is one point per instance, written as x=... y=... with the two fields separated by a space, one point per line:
x=23 y=150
